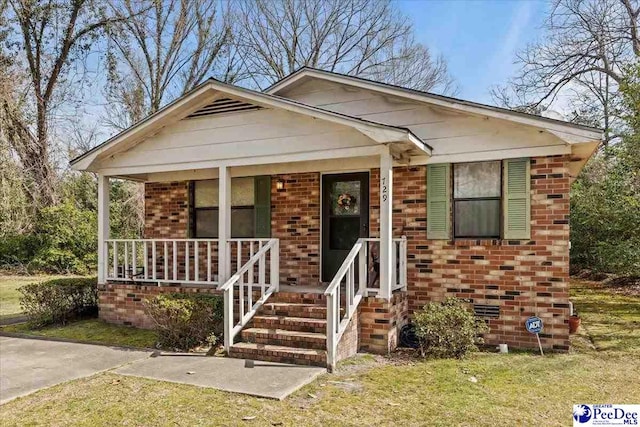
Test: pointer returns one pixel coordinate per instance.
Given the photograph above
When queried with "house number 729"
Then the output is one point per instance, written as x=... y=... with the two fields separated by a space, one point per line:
x=385 y=191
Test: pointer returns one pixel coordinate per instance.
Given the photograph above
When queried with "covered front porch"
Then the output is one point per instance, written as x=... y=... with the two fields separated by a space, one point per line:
x=246 y=192
x=248 y=270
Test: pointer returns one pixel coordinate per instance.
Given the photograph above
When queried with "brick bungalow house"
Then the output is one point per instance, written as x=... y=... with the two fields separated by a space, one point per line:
x=329 y=208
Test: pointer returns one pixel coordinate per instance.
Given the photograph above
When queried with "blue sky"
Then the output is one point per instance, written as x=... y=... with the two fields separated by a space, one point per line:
x=479 y=39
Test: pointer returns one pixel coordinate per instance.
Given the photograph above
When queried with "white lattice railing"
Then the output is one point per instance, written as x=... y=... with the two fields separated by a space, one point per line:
x=192 y=261
x=363 y=259
x=250 y=277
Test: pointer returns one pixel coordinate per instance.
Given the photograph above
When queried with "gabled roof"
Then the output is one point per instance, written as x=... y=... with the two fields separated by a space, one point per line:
x=569 y=132
x=205 y=92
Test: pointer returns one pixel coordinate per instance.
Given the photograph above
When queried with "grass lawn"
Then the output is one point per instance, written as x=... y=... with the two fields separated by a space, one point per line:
x=92 y=330
x=9 y=294
x=610 y=321
x=514 y=389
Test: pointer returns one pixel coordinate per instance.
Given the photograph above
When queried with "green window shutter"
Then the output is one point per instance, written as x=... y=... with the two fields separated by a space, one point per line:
x=263 y=206
x=517 y=199
x=439 y=201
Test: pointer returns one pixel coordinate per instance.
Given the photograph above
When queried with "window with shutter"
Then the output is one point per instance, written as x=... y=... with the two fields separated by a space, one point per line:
x=438 y=201
x=476 y=200
x=517 y=199
x=250 y=207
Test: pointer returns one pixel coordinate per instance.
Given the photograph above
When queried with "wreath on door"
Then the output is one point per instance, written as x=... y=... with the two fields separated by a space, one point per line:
x=346 y=201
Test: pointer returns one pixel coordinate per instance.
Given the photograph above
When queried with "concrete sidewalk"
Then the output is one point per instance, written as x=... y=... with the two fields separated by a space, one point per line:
x=264 y=379
x=28 y=365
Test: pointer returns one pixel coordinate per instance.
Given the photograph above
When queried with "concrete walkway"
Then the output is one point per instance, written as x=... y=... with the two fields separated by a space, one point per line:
x=29 y=365
x=264 y=379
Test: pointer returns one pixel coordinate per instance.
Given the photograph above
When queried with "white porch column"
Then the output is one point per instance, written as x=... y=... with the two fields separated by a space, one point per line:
x=224 y=223
x=103 y=226
x=386 y=224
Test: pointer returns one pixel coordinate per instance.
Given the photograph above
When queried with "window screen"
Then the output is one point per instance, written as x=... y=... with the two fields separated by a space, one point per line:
x=477 y=199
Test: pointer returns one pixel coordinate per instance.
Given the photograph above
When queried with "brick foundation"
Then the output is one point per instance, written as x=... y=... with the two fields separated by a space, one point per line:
x=523 y=278
x=380 y=322
x=123 y=303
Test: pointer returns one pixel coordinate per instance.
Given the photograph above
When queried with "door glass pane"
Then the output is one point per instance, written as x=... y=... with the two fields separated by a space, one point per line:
x=344 y=198
x=477 y=218
x=476 y=180
x=343 y=232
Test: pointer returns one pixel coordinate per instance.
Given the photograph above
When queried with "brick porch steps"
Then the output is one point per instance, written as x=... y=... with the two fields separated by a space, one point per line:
x=314 y=311
x=301 y=324
x=289 y=328
x=284 y=337
x=277 y=353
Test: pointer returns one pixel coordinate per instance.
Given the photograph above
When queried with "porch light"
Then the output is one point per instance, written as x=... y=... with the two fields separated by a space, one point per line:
x=280 y=184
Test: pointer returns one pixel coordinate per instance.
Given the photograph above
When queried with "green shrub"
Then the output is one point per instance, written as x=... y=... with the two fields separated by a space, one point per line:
x=60 y=300
x=184 y=321
x=447 y=329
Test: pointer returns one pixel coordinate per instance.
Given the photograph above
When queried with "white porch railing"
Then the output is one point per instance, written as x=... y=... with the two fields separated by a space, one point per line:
x=362 y=256
x=337 y=324
x=192 y=261
x=243 y=280
x=399 y=260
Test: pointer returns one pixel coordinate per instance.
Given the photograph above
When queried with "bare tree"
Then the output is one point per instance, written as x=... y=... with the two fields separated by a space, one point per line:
x=580 y=63
x=47 y=39
x=357 y=37
x=160 y=54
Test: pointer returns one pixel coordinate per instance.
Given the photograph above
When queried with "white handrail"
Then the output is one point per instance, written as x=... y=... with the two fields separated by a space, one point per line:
x=336 y=324
x=272 y=248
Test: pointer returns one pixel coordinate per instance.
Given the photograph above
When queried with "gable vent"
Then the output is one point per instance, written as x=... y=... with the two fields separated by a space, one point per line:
x=482 y=310
x=224 y=105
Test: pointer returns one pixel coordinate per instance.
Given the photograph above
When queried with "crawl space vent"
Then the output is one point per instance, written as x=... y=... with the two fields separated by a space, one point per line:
x=223 y=105
x=482 y=310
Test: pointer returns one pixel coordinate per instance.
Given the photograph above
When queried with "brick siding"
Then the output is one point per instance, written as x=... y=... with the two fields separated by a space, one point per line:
x=523 y=278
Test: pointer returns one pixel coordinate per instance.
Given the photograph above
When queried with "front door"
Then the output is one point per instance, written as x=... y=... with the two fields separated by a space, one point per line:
x=345 y=217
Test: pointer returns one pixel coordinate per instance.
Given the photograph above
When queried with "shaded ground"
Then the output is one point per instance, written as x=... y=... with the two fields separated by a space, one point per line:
x=514 y=389
x=610 y=320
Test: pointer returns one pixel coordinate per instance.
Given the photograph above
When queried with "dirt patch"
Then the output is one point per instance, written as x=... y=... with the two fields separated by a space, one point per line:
x=629 y=286
x=623 y=285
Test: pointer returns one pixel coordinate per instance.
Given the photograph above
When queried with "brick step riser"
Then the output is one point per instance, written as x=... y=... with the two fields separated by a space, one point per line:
x=284 y=341
x=298 y=298
x=287 y=326
x=312 y=313
x=280 y=357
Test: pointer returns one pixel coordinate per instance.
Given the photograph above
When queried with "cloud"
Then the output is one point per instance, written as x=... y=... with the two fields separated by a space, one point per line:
x=520 y=23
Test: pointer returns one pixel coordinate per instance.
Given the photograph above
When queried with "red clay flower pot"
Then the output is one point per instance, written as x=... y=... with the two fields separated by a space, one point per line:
x=574 y=324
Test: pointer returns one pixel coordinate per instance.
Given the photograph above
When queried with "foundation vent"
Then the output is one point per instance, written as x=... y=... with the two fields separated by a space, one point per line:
x=223 y=105
x=482 y=310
